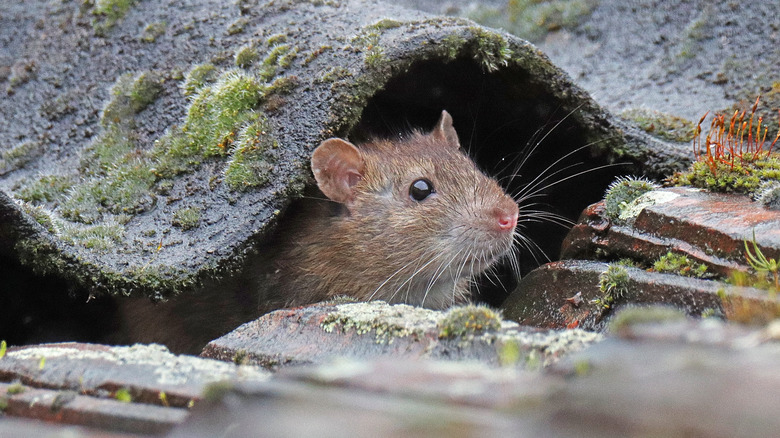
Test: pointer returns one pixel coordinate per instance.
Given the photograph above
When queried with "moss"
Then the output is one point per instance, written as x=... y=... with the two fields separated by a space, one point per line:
x=367 y=41
x=108 y=13
x=237 y=26
x=131 y=94
x=100 y=237
x=15 y=388
x=283 y=85
x=246 y=55
x=125 y=189
x=241 y=357
x=768 y=194
x=679 y=264
x=112 y=147
x=123 y=395
x=198 y=76
x=333 y=74
x=613 y=284
x=152 y=31
x=451 y=45
x=19 y=155
x=491 y=49
x=469 y=320
x=186 y=218
x=622 y=191
x=248 y=166
x=386 y=23
x=662 y=125
x=41 y=215
x=723 y=177
x=314 y=54
x=636 y=315
x=532 y=19
x=3 y=403
x=215 y=392
x=275 y=39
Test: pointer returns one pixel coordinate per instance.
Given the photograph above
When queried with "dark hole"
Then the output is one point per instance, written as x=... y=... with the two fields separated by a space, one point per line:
x=500 y=118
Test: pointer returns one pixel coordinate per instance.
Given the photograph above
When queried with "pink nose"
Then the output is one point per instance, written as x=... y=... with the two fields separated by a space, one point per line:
x=507 y=220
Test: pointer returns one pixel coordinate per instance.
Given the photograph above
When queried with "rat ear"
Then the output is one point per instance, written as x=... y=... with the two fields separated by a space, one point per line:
x=445 y=132
x=337 y=167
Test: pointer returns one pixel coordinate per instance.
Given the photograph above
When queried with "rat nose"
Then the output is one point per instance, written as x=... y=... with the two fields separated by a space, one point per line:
x=507 y=219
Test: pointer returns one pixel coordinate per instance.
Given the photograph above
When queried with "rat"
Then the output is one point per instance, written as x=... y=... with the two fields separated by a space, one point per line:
x=405 y=221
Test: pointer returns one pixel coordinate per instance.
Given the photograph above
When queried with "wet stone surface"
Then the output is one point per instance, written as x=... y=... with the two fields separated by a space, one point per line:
x=317 y=333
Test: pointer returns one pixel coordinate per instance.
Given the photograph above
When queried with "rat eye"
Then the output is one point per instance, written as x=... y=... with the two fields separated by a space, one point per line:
x=421 y=189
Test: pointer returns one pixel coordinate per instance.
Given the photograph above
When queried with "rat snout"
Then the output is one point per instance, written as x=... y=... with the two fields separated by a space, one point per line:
x=506 y=216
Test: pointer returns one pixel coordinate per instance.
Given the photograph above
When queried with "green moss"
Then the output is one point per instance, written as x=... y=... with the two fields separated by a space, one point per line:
x=367 y=42
x=468 y=320
x=333 y=74
x=3 y=403
x=283 y=85
x=680 y=265
x=613 y=284
x=451 y=45
x=112 y=147
x=386 y=23
x=123 y=395
x=246 y=55
x=662 y=125
x=214 y=392
x=241 y=357
x=279 y=56
x=186 y=218
x=198 y=76
x=237 y=26
x=622 y=191
x=314 y=54
x=19 y=155
x=41 y=215
x=100 y=237
x=248 y=165
x=125 y=189
x=491 y=49
x=636 y=315
x=108 y=13
x=152 y=31
x=741 y=178
x=275 y=39
x=532 y=19
x=15 y=388
x=131 y=94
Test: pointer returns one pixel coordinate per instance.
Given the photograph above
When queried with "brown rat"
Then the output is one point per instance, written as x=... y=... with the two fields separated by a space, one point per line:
x=409 y=221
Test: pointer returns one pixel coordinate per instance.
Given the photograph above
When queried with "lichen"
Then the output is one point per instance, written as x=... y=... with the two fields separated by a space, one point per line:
x=469 y=320
x=384 y=321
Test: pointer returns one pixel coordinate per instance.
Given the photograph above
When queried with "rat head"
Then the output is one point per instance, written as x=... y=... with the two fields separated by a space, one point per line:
x=422 y=219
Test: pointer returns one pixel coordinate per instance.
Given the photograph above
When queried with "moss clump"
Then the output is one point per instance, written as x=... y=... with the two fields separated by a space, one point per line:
x=41 y=215
x=125 y=190
x=333 y=74
x=19 y=155
x=283 y=85
x=96 y=237
x=47 y=188
x=679 y=264
x=246 y=55
x=469 y=320
x=237 y=26
x=662 y=125
x=613 y=284
x=15 y=388
x=768 y=194
x=279 y=56
x=636 y=315
x=152 y=31
x=248 y=165
x=199 y=76
x=112 y=147
x=532 y=19
x=108 y=13
x=130 y=95
x=275 y=39
x=622 y=191
x=314 y=54
x=186 y=218
x=740 y=177
x=491 y=49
